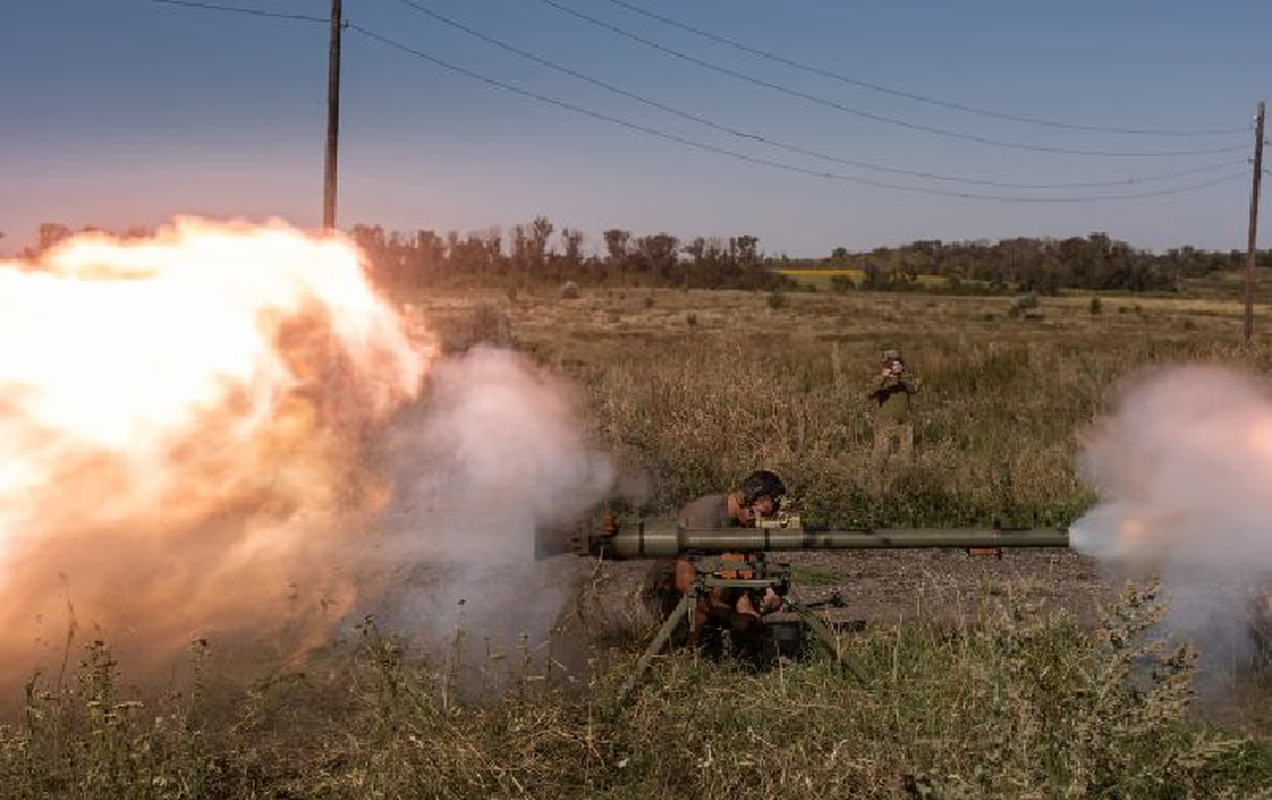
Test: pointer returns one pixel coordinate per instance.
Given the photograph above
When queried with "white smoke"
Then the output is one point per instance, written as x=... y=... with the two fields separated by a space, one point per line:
x=1183 y=471
x=497 y=449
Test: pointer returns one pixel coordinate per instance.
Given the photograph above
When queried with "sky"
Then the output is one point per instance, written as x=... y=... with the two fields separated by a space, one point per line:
x=121 y=113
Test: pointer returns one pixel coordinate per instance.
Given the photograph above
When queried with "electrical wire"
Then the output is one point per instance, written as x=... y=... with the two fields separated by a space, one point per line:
x=756 y=137
x=920 y=98
x=255 y=12
x=384 y=40
x=812 y=98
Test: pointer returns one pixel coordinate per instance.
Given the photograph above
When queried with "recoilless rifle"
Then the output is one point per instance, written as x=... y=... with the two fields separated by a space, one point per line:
x=736 y=558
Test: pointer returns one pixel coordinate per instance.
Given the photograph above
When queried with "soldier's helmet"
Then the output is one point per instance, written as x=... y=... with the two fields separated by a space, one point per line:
x=762 y=483
x=892 y=355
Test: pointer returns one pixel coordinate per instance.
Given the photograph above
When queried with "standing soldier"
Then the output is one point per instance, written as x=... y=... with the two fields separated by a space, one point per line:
x=891 y=392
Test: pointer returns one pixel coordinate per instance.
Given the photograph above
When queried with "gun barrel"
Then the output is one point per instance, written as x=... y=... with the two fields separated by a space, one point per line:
x=668 y=541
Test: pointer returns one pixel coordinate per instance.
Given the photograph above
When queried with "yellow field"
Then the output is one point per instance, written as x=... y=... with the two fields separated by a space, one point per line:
x=820 y=279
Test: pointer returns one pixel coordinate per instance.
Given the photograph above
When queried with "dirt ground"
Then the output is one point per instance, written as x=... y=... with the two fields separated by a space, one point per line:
x=878 y=587
x=946 y=586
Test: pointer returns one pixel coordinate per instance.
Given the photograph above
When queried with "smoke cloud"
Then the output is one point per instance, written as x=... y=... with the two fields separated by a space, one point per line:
x=1183 y=469
x=496 y=450
x=222 y=432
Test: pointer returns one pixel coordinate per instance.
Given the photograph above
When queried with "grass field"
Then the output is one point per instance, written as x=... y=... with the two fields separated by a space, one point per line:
x=700 y=387
x=693 y=390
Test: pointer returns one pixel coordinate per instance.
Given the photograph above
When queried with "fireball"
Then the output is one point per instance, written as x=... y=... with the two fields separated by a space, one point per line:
x=186 y=429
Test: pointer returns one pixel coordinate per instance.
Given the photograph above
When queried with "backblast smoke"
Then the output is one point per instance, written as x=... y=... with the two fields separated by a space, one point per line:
x=1183 y=468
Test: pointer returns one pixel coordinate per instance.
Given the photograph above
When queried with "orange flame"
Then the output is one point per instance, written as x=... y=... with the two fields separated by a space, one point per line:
x=184 y=437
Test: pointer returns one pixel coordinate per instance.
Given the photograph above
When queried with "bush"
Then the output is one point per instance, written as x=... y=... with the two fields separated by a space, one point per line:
x=1024 y=302
x=776 y=299
x=1096 y=306
x=840 y=283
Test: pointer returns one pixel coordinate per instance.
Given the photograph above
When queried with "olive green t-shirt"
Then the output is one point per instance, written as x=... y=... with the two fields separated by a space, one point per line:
x=892 y=396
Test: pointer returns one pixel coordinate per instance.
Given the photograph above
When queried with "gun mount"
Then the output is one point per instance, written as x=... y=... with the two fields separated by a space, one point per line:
x=734 y=560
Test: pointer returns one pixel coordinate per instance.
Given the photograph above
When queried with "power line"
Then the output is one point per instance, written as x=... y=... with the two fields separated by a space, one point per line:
x=255 y=12
x=764 y=161
x=756 y=137
x=689 y=142
x=868 y=114
x=875 y=87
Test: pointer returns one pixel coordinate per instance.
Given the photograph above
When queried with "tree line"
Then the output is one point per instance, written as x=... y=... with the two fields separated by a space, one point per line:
x=537 y=252
x=1043 y=265
x=531 y=253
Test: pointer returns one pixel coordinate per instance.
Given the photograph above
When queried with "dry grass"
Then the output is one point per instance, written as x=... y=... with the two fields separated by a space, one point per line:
x=699 y=403
x=696 y=389
x=1020 y=705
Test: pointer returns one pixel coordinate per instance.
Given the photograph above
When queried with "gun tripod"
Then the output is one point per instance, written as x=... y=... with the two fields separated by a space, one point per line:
x=753 y=574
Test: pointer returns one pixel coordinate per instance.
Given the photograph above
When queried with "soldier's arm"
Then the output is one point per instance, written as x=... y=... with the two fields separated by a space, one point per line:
x=881 y=384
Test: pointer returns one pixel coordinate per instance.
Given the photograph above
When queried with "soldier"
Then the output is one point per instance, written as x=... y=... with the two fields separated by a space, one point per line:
x=760 y=494
x=891 y=393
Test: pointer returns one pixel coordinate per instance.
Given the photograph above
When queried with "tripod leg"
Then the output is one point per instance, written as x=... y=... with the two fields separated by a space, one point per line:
x=656 y=646
x=827 y=638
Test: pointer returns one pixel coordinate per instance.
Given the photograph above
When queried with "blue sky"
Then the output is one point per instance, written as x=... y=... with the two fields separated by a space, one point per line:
x=126 y=112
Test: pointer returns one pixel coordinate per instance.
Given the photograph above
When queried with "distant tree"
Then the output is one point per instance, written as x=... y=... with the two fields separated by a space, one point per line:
x=657 y=254
x=747 y=250
x=572 y=240
x=541 y=230
x=50 y=233
x=616 y=246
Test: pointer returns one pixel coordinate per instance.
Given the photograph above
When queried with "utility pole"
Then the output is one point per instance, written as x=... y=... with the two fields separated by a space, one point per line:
x=333 y=121
x=1251 y=248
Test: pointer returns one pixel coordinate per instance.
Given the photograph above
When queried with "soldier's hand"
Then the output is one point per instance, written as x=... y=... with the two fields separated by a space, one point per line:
x=772 y=602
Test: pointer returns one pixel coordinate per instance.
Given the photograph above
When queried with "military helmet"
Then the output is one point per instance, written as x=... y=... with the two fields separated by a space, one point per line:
x=762 y=483
x=892 y=355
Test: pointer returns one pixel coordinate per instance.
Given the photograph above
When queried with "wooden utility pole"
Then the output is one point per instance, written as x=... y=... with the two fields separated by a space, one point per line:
x=1251 y=244
x=333 y=121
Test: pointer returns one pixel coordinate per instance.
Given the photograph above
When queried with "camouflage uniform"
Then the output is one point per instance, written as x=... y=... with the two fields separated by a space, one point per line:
x=891 y=395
